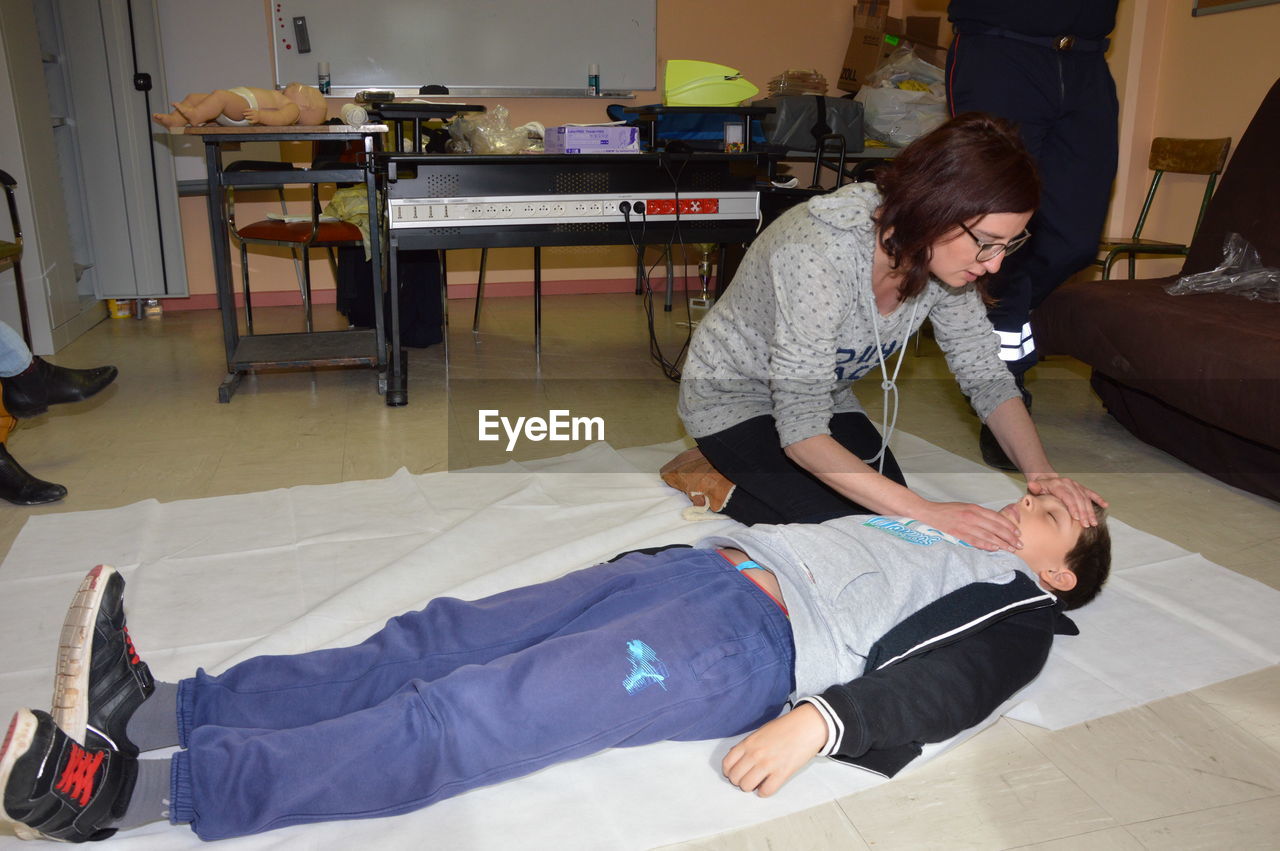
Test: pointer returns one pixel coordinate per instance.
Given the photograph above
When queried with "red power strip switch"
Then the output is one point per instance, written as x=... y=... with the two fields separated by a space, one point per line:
x=692 y=206
x=661 y=207
x=687 y=206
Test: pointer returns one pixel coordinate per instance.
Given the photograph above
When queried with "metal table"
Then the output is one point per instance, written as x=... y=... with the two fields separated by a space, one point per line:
x=360 y=347
x=461 y=177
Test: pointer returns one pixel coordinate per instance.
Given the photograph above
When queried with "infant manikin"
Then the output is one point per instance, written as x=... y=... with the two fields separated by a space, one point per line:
x=244 y=105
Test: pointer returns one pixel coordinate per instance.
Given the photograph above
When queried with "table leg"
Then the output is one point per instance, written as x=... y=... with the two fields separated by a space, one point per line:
x=397 y=379
x=537 y=299
x=475 y=321
x=377 y=260
x=221 y=265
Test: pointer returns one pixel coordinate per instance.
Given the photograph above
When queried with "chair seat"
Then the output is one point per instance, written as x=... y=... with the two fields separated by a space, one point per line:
x=300 y=232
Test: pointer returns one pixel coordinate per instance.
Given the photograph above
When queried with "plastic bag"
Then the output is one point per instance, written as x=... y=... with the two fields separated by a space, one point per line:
x=798 y=120
x=902 y=66
x=903 y=99
x=899 y=117
x=1240 y=273
x=488 y=133
x=351 y=204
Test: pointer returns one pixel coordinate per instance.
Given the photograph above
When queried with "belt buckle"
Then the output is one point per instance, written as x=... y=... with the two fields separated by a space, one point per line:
x=1065 y=42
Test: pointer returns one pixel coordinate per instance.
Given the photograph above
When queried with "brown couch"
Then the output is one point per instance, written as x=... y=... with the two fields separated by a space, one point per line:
x=1195 y=375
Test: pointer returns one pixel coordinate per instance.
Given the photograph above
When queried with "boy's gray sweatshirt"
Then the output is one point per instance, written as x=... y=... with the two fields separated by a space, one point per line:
x=799 y=325
x=848 y=581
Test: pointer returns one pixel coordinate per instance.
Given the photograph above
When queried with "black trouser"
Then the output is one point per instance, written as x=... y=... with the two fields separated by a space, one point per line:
x=1064 y=103
x=771 y=488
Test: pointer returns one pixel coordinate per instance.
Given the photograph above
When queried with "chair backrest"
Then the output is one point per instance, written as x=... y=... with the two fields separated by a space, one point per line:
x=1188 y=156
x=1184 y=156
x=1245 y=200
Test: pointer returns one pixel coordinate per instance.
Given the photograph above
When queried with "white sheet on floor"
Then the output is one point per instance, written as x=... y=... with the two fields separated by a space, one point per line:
x=213 y=581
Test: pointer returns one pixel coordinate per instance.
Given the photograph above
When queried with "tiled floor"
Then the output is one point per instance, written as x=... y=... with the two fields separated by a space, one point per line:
x=1200 y=770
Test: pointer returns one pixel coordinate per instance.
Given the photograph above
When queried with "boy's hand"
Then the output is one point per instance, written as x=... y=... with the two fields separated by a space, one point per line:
x=766 y=759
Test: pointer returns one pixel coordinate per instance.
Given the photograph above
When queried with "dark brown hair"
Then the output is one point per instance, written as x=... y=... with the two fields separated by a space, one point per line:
x=973 y=165
x=1090 y=561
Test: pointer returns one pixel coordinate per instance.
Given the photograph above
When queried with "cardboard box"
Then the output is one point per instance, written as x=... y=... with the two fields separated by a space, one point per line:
x=876 y=35
x=930 y=35
x=592 y=139
x=870 y=17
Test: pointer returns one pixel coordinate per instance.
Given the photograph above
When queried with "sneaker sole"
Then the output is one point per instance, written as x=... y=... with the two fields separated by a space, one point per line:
x=71 y=679
x=22 y=730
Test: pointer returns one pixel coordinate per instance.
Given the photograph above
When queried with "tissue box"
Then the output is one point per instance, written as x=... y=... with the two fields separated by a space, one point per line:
x=568 y=139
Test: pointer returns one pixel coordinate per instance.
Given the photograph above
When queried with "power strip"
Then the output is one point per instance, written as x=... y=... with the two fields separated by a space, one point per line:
x=555 y=209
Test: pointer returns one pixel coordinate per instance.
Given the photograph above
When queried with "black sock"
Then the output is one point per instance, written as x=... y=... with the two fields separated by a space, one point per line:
x=154 y=723
x=151 y=795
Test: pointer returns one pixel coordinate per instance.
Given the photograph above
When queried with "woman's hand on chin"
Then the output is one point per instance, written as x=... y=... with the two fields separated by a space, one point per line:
x=977 y=526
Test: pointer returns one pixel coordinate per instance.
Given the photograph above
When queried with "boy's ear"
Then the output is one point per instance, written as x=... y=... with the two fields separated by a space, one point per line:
x=1060 y=578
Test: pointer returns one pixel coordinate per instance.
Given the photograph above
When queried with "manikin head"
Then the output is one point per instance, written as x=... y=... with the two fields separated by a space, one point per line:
x=312 y=108
x=1071 y=561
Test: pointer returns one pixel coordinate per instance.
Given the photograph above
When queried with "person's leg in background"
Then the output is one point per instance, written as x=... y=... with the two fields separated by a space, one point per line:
x=1065 y=107
x=1077 y=169
x=16 y=484
x=30 y=385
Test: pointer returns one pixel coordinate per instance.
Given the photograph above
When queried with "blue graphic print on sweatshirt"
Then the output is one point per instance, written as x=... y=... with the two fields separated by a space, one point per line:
x=913 y=531
x=852 y=364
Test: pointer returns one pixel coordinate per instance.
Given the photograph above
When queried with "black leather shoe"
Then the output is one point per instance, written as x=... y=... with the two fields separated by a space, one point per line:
x=30 y=393
x=20 y=487
x=100 y=679
x=56 y=789
x=992 y=453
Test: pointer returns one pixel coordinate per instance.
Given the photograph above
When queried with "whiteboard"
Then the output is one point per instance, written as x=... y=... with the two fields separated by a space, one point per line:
x=473 y=47
x=222 y=57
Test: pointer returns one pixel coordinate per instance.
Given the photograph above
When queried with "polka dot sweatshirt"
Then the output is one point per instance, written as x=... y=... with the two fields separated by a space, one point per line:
x=799 y=325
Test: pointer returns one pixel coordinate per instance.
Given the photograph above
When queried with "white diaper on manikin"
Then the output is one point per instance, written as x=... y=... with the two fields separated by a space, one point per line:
x=253 y=104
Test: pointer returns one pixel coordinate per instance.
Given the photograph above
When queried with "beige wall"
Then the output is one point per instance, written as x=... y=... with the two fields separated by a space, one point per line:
x=1176 y=75
x=754 y=36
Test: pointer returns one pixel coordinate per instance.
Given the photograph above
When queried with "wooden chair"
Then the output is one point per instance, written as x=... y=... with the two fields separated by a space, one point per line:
x=11 y=254
x=1179 y=156
x=299 y=236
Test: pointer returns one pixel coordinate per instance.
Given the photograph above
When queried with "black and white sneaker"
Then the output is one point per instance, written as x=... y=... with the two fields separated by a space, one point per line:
x=100 y=679
x=56 y=789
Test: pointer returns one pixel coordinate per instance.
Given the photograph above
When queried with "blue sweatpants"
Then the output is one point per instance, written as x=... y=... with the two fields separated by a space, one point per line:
x=673 y=645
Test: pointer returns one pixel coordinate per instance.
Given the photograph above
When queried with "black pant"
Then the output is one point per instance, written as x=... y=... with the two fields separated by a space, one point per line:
x=771 y=488
x=1064 y=103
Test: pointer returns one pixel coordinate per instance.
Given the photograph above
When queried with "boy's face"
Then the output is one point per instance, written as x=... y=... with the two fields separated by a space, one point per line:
x=1048 y=534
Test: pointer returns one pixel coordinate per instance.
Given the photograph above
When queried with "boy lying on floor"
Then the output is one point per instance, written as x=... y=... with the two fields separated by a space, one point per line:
x=921 y=634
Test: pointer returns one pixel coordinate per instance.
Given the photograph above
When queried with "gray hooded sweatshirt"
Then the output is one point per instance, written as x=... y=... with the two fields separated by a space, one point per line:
x=848 y=581
x=799 y=325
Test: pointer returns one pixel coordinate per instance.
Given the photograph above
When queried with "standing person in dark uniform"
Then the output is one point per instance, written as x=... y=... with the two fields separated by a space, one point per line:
x=1041 y=64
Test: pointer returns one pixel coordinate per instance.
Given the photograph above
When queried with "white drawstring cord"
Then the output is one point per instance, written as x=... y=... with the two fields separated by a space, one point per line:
x=887 y=384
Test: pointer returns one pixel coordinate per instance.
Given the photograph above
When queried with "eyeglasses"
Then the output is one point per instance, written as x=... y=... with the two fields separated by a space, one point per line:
x=992 y=250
